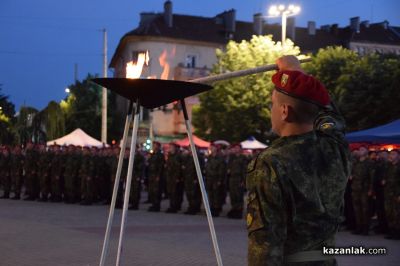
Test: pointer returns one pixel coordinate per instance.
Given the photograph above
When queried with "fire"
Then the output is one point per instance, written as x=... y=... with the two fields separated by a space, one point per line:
x=163 y=59
x=134 y=69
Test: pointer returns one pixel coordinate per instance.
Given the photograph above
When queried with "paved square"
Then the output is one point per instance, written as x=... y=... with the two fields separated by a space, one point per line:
x=57 y=234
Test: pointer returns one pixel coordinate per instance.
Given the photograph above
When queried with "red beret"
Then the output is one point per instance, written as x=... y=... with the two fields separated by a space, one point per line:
x=301 y=86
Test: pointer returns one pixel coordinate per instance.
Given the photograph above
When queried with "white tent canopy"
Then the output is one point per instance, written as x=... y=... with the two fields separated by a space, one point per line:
x=78 y=138
x=252 y=144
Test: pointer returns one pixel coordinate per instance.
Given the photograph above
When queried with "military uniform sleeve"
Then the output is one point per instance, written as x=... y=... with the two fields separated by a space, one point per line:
x=330 y=121
x=266 y=216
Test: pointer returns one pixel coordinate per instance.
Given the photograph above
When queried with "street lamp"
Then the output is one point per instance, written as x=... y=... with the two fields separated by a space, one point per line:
x=282 y=10
x=67 y=90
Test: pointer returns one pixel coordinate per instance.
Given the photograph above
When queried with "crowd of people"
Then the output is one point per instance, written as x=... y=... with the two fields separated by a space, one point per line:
x=373 y=190
x=86 y=176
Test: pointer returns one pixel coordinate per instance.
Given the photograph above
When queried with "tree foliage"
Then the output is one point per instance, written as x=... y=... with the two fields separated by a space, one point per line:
x=238 y=108
x=365 y=88
x=54 y=121
x=82 y=109
x=7 y=112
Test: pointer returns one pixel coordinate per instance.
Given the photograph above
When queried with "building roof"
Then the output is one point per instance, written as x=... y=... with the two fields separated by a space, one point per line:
x=212 y=30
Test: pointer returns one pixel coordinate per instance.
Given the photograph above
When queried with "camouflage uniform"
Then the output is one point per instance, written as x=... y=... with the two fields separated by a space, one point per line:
x=106 y=168
x=44 y=166
x=5 y=178
x=392 y=196
x=237 y=166
x=136 y=185
x=360 y=186
x=191 y=183
x=155 y=171
x=56 y=174
x=215 y=173
x=173 y=172
x=31 y=173
x=112 y=163
x=71 y=178
x=86 y=177
x=17 y=169
x=295 y=198
x=380 y=172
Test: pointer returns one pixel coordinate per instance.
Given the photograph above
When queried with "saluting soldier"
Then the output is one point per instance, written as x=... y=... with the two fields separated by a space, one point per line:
x=155 y=172
x=237 y=166
x=215 y=174
x=17 y=169
x=296 y=185
x=191 y=183
x=173 y=173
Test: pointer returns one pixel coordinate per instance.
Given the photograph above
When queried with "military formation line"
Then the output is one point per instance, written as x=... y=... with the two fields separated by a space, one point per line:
x=86 y=176
x=373 y=191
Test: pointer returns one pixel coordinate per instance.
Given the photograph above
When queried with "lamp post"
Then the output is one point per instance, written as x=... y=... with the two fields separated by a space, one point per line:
x=284 y=12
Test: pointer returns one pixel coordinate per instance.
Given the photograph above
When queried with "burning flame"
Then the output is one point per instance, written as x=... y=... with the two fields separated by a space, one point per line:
x=134 y=69
x=163 y=59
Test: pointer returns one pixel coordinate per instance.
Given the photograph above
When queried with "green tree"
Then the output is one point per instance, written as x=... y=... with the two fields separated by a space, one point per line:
x=25 y=124
x=238 y=108
x=54 y=121
x=82 y=109
x=369 y=89
x=328 y=65
x=364 y=88
x=7 y=112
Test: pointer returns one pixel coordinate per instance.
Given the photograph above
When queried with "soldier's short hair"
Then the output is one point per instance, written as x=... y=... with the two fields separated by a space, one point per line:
x=303 y=112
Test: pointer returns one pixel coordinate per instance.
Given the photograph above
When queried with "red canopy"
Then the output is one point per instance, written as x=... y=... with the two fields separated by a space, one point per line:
x=197 y=141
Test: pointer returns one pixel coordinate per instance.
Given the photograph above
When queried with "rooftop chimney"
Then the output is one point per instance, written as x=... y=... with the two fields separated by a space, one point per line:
x=365 y=23
x=355 y=24
x=384 y=24
x=326 y=28
x=229 y=20
x=311 y=27
x=168 y=13
x=258 y=23
x=291 y=28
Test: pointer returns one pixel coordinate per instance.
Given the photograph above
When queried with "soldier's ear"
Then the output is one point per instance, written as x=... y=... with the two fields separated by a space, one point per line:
x=285 y=112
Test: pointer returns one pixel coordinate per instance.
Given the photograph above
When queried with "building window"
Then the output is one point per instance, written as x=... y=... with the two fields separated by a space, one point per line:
x=135 y=55
x=190 y=61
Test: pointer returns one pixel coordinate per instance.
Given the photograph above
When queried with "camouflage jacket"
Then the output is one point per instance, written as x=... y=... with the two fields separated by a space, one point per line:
x=173 y=167
x=237 y=166
x=362 y=176
x=295 y=199
x=215 y=169
x=189 y=169
x=156 y=164
x=392 y=181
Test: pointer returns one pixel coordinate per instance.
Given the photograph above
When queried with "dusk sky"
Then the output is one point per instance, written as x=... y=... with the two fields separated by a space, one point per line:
x=41 y=40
